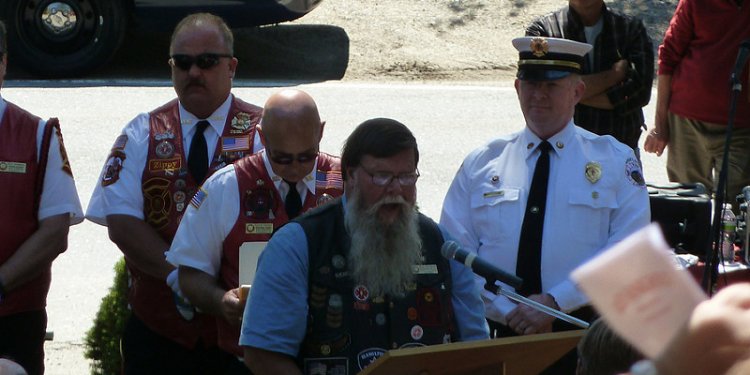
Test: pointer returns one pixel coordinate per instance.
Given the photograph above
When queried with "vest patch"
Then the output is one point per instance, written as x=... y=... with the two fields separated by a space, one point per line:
x=165 y=165
x=317 y=366
x=368 y=356
x=235 y=144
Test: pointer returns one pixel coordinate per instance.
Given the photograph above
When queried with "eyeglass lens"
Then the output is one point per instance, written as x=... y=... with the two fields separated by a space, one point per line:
x=385 y=179
x=203 y=61
x=285 y=159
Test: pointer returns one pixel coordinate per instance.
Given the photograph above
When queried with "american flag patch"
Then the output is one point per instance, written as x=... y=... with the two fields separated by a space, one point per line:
x=328 y=180
x=235 y=144
x=120 y=142
x=198 y=198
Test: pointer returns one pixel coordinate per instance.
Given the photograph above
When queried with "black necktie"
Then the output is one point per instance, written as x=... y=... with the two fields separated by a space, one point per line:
x=293 y=202
x=528 y=264
x=198 y=156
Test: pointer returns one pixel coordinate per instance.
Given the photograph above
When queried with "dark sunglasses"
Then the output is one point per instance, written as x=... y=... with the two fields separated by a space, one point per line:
x=286 y=159
x=203 y=61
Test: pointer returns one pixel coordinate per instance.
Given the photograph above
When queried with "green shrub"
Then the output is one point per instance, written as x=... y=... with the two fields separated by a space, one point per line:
x=102 y=343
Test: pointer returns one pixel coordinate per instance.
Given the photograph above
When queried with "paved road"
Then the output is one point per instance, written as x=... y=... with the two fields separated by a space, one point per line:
x=448 y=122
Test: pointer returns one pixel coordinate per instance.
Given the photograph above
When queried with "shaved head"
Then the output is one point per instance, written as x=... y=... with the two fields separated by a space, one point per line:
x=291 y=127
x=290 y=113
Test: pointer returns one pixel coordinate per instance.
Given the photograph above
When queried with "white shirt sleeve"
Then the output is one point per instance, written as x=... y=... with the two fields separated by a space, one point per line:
x=59 y=194
x=124 y=196
x=199 y=240
x=456 y=217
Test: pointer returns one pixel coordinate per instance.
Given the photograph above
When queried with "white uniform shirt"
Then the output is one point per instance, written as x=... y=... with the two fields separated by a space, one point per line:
x=485 y=205
x=59 y=194
x=125 y=197
x=199 y=240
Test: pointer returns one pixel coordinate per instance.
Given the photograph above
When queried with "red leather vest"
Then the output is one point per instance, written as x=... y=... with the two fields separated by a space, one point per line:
x=261 y=213
x=167 y=188
x=22 y=178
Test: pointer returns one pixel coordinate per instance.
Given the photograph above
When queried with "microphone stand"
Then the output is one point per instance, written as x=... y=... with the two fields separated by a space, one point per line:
x=495 y=289
x=711 y=272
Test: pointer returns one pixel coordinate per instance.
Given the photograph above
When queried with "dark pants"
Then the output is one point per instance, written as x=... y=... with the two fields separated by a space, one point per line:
x=567 y=364
x=22 y=339
x=145 y=352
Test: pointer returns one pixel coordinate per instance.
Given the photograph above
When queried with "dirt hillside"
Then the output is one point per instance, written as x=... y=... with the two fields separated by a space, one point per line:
x=456 y=40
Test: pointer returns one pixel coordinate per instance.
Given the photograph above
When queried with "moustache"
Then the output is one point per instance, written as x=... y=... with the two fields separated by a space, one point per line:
x=389 y=200
x=195 y=83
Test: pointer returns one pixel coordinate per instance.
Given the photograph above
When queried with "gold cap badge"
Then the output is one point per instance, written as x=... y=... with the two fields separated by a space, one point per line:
x=539 y=47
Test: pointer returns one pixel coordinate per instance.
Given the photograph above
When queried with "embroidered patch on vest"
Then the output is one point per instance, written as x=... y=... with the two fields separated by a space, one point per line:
x=157 y=202
x=259 y=203
x=328 y=180
x=235 y=144
x=368 y=356
x=241 y=123
x=317 y=366
x=167 y=165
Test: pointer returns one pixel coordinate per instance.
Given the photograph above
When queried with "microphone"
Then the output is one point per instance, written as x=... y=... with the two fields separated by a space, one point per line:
x=739 y=64
x=452 y=250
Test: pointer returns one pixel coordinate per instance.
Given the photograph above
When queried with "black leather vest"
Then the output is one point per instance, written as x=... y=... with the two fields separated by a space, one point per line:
x=348 y=328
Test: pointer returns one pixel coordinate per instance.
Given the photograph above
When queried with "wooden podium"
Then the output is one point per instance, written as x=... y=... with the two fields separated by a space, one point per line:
x=523 y=355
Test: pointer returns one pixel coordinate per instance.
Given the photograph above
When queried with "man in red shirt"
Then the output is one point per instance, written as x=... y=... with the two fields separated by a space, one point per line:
x=692 y=105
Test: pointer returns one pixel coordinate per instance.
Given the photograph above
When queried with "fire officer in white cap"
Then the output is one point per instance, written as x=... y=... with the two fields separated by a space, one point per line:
x=541 y=201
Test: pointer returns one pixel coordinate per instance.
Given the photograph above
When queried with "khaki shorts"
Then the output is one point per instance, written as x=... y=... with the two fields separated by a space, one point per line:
x=695 y=154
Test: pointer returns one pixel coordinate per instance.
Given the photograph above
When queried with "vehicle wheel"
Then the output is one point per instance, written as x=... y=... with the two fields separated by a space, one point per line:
x=62 y=38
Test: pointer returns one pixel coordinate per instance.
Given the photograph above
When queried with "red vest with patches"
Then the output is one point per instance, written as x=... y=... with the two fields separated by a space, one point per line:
x=261 y=213
x=21 y=184
x=167 y=188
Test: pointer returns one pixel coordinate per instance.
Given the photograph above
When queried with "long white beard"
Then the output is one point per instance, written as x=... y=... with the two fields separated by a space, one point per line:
x=382 y=256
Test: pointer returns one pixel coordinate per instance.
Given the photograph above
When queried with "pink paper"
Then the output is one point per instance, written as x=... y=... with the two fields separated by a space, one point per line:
x=640 y=291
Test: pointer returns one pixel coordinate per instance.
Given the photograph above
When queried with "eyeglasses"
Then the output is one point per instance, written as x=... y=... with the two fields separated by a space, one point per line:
x=385 y=178
x=203 y=61
x=286 y=159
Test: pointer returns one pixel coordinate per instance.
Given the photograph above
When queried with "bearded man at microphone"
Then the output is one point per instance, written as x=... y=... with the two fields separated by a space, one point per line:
x=342 y=284
x=544 y=200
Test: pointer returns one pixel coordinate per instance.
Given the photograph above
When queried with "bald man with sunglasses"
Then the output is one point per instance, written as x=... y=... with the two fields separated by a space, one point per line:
x=153 y=170
x=249 y=200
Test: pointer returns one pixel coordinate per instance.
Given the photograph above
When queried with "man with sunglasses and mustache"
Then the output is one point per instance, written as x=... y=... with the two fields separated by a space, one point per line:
x=154 y=168
x=248 y=201
x=337 y=288
x=40 y=203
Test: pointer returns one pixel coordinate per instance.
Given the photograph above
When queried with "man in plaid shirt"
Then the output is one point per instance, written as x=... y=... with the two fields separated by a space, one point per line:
x=618 y=72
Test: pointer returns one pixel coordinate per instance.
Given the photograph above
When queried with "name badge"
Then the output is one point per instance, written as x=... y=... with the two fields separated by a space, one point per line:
x=425 y=269
x=12 y=167
x=164 y=165
x=491 y=194
x=259 y=228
